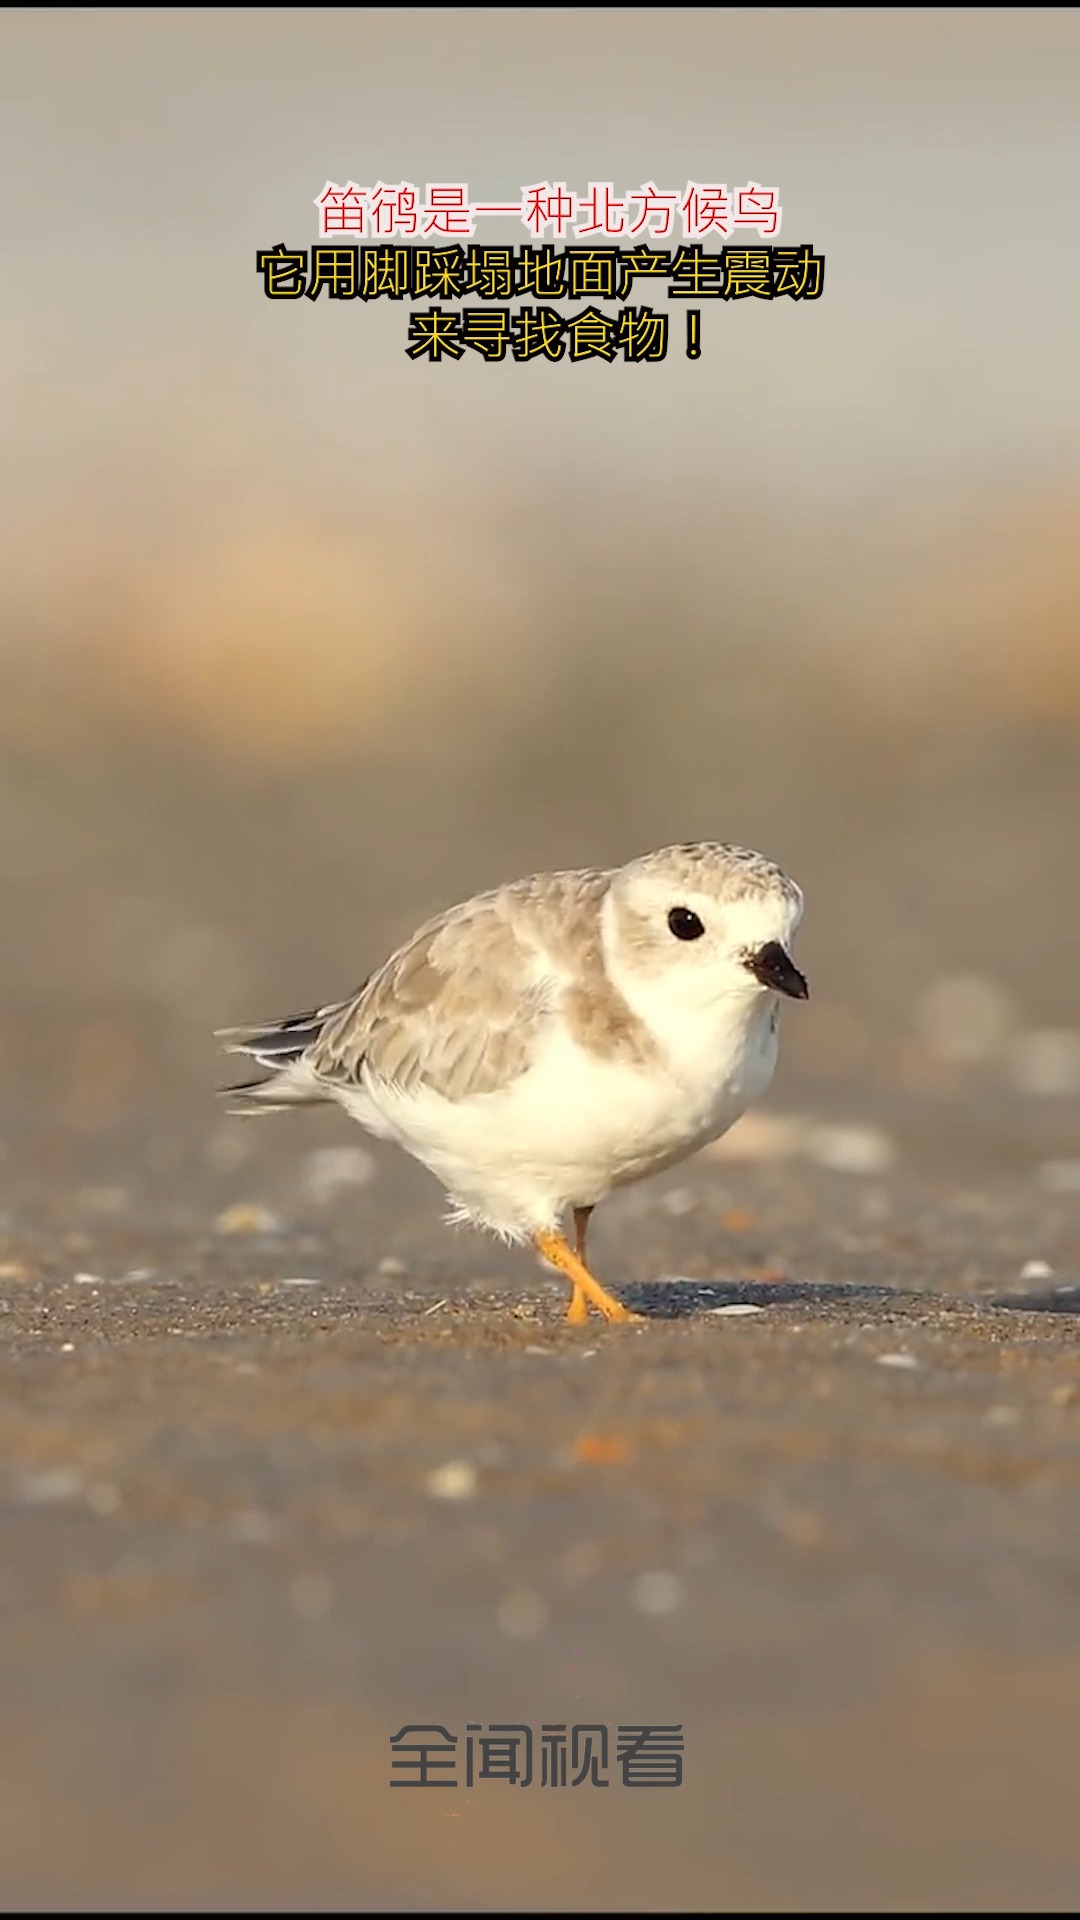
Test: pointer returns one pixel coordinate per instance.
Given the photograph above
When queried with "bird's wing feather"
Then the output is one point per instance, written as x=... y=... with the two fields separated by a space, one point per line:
x=461 y=1008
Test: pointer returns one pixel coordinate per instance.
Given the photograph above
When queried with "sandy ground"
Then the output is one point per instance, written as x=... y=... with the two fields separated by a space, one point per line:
x=287 y=1464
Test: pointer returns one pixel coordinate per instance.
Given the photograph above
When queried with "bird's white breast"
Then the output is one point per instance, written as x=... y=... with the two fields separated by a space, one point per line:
x=578 y=1123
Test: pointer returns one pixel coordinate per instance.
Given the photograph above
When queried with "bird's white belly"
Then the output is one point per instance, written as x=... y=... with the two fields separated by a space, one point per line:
x=572 y=1127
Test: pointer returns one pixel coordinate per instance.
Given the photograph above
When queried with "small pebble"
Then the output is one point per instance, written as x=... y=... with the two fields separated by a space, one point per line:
x=737 y=1308
x=599 y=1449
x=247 y=1217
x=1036 y=1270
x=454 y=1480
x=902 y=1360
x=391 y=1268
x=738 y=1219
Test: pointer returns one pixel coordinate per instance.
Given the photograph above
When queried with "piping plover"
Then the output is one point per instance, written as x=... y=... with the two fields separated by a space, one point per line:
x=564 y=1035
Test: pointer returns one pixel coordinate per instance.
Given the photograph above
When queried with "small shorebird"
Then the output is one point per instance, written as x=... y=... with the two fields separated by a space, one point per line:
x=556 y=1038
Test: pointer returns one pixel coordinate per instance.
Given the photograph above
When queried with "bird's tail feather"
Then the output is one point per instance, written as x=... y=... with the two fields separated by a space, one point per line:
x=280 y=1046
x=277 y=1094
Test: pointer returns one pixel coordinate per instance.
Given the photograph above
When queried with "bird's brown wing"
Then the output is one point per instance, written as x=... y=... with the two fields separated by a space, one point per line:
x=462 y=1007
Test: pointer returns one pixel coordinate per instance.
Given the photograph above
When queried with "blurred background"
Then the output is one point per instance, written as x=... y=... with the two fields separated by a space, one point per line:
x=301 y=640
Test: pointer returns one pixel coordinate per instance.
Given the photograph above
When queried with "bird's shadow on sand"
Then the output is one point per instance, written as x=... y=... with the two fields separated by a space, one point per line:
x=689 y=1299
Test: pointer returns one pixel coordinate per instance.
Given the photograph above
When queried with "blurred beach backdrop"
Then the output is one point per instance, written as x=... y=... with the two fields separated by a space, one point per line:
x=301 y=639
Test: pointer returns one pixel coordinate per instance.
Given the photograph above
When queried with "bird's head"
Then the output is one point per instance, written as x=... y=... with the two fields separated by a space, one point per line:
x=706 y=924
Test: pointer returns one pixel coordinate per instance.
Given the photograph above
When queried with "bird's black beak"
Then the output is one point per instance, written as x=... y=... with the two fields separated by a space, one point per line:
x=775 y=968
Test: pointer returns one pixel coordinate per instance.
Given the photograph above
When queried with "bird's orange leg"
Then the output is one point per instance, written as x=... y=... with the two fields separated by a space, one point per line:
x=578 y=1312
x=587 y=1291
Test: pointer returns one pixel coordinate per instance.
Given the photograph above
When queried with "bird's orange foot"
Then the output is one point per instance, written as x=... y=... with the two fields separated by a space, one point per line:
x=587 y=1291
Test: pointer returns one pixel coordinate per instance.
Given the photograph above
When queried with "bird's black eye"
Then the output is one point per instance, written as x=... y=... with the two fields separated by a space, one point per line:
x=685 y=924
